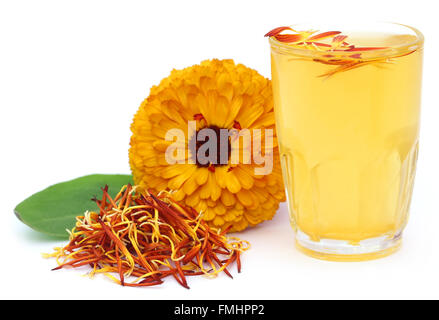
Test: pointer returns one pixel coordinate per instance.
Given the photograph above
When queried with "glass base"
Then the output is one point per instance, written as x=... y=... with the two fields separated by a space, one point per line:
x=340 y=250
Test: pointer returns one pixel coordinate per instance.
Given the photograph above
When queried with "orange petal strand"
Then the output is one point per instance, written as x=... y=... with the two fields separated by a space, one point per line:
x=319 y=44
x=323 y=35
x=289 y=37
x=343 y=68
x=276 y=31
x=365 y=48
x=334 y=62
x=355 y=56
x=339 y=39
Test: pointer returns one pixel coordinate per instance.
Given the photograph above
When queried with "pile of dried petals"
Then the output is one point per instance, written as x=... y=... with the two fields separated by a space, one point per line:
x=149 y=237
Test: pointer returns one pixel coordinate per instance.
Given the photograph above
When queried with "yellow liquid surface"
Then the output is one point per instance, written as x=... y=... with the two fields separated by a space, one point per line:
x=348 y=142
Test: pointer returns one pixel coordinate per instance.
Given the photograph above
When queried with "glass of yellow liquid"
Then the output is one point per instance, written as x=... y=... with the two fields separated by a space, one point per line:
x=347 y=105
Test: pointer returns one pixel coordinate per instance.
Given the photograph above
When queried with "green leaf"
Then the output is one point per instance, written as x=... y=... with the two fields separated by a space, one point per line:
x=54 y=209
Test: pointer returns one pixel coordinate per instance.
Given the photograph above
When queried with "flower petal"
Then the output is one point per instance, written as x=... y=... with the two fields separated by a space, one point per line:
x=176 y=182
x=289 y=38
x=323 y=35
x=276 y=31
x=221 y=176
x=244 y=178
x=218 y=221
x=201 y=176
x=209 y=214
x=172 y=171
x=235 y=106
x=227 y=198
x=232 y=183
x=190 y=185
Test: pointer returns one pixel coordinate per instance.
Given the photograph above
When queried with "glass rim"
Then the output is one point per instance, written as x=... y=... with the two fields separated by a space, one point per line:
x=379 y=52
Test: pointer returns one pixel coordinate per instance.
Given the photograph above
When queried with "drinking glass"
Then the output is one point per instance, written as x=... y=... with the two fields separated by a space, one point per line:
x=347 y=118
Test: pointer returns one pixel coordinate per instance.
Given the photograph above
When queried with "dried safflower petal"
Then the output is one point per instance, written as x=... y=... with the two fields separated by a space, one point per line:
x=138 y=234
x=338 y=43
x=276 y=31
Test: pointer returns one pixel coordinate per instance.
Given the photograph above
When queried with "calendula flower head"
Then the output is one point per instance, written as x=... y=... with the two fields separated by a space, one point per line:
x=215 y=95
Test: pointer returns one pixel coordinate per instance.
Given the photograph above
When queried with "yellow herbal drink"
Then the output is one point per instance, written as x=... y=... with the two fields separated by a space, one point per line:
x=347 y=111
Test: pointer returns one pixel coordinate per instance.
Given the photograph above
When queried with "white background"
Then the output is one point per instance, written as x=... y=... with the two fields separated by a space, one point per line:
x=72 y=75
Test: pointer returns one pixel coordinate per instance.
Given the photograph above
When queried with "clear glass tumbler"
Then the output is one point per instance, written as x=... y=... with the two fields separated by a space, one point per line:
x=347 y=105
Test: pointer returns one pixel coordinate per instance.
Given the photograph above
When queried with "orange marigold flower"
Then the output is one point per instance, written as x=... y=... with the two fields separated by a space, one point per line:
x=217 y=94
